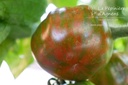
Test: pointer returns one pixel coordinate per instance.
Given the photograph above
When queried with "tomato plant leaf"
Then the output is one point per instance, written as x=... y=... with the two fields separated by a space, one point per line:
x=19 y=57
x=2 y=11
x=23 y=15
x=4 y=47
x=4 y=31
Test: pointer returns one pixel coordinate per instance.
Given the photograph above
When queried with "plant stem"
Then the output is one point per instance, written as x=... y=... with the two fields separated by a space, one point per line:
x=118 y=32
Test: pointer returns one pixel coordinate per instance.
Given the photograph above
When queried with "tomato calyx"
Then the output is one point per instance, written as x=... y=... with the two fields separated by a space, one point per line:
x=56 y=81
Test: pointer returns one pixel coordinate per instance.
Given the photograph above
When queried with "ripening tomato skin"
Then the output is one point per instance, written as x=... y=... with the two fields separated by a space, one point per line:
x=115 y=72
x=72 y=43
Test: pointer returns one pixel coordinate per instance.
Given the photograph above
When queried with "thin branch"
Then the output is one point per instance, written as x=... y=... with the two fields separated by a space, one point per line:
x=118 y=32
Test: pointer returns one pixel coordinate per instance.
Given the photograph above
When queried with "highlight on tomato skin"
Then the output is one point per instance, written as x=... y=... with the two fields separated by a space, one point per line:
x=72 y=43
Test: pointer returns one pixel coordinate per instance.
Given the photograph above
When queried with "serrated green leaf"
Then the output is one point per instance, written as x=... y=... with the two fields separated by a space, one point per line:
x=64 y=3
x=4 y=48
x=4 y=31
x=22 y=16
x=19 y=56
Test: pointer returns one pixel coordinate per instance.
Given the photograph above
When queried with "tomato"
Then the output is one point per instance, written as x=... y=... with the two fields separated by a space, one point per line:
x=115 y=72
x=72 y=43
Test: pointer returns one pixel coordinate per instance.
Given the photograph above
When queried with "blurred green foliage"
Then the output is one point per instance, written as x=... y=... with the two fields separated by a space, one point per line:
x=120 y=44
x=19 y=56
x=18 y=20
x=64 y=3
x=4 y=32
x=4 y=48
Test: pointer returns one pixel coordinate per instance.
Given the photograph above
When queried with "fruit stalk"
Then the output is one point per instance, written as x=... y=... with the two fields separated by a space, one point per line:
x=118 y=32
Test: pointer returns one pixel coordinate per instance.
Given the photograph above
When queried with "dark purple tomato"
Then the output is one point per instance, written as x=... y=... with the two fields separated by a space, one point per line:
x=72 y=43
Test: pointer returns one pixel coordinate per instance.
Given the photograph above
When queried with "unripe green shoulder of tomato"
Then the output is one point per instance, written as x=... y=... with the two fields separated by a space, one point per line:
x=72 y=43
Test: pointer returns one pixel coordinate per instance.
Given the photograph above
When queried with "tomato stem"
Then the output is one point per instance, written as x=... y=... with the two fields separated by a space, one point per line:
x=118 y=32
